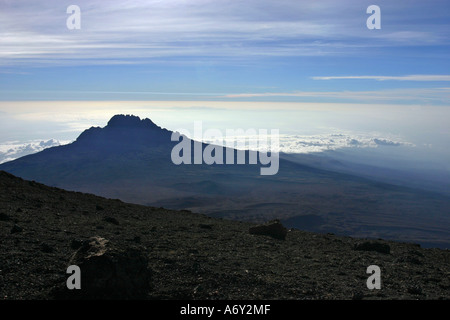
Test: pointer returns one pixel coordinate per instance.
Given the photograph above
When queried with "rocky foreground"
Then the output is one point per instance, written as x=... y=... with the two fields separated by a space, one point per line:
x=128 y=251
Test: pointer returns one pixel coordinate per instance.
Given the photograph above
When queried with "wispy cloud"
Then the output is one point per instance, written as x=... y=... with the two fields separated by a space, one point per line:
x=14 y=72
x=123 y=31
x=114 y=30
x=419 y=77
x=418 y=94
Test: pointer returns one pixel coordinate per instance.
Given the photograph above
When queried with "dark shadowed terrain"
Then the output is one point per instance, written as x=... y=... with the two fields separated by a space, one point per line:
x=130 y=159
x=194 y=256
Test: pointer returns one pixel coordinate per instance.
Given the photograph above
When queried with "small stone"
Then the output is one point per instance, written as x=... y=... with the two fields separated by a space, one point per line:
x=46 y=248
x=272 y=228
x=357 y=295
x=111 y=220
x=76 y=243
x=415 y=289
x=16 y=229
x=4 y=216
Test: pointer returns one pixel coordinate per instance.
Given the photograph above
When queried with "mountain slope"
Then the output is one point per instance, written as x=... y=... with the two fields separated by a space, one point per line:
x=193 y=256
x=130 y=159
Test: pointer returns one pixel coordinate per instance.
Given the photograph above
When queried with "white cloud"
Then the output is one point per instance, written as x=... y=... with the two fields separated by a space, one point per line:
x=294 y=143
x=384 y=142
x=324 y=142
x=13 y=149
x=420 y=77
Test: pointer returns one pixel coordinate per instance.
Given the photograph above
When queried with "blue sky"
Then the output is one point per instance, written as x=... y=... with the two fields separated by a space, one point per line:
x=305 y=67
x=216 y=50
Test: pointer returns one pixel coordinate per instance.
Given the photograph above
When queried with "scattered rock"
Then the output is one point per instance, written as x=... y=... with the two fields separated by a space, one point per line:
x=373 y=246
x=191 y=261
x=4 y=217
x=416 y=253
x=16 y=229
x=272 y=228
x=358 y=295
x=109 y=272
x=76 y=243
x=411 y=259
x=205 y=226
x=415 y=289
x=46 y=248
x=99 y=208
x=111 y=220
x=137 y=239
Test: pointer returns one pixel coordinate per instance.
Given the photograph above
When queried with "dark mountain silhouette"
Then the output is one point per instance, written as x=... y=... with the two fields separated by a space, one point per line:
x=122 y=132
x=130 y=159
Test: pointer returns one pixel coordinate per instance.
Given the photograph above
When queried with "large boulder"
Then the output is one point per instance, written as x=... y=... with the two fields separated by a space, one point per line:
x=109 y=272
x=272 y=228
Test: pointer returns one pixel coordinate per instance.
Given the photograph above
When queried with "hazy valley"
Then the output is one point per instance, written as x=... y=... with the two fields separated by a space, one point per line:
x=129 y=159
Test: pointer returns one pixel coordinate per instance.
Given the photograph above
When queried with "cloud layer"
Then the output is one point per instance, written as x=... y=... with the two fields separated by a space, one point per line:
x=13 y=150
x=313 y=143
x=287 y=143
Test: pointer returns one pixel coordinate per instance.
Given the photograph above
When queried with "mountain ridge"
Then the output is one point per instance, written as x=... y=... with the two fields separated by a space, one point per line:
x=134 y=164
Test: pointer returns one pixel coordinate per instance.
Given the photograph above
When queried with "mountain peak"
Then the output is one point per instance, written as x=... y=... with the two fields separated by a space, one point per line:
x=127 y=131
x=130 y=121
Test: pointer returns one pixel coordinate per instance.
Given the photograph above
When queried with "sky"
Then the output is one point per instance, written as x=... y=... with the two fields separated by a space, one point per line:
x=309 y=68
